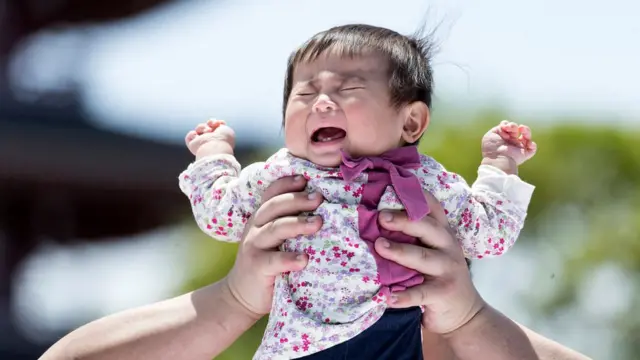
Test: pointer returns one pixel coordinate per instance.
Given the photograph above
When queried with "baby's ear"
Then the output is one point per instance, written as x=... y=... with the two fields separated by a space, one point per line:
x=417 y=116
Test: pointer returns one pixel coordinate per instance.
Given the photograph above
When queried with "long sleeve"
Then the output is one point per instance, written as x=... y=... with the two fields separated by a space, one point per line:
x=486 y=217
x=222 y=197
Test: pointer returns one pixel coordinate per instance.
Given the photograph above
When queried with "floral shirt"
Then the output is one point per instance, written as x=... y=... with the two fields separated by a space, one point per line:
x=343 y=289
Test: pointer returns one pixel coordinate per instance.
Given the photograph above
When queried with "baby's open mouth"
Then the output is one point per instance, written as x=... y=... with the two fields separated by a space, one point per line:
x=328 y=134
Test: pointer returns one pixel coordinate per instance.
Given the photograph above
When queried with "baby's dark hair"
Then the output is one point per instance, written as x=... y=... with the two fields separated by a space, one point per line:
x=409 y=58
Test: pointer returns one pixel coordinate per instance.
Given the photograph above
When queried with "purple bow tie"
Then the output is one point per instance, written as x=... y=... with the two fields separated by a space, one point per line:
x=405 y=183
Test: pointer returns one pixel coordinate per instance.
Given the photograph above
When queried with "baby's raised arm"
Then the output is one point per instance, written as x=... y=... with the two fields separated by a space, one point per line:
x=222 y=197
x=486 y=217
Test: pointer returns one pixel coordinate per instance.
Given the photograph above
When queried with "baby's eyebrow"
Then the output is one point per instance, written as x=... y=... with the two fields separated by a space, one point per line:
x=366 y=74
x=358 y=75
x=300 y=85
x=353 y=77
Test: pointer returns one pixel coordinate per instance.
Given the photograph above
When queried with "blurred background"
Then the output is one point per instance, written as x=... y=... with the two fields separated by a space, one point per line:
x=95 y=98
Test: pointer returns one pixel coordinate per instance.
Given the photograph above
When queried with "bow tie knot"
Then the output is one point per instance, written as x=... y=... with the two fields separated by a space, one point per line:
x=397 y=163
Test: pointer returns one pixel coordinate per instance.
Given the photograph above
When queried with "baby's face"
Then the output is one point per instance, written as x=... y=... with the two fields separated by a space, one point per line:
x=341 y=103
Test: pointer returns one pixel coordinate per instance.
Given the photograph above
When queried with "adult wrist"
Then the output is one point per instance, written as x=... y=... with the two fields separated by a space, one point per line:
x=468 y=330
x=235 y=303
x=489 y=335
x=477 y=314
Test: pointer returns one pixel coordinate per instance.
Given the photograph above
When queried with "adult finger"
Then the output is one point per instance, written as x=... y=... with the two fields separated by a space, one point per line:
x=275 y=263
x=284 y=185
x=429 y=230
x=414 y=296
x=285 y=205
x=275 y=232
x=435 y=209
x=423 y=260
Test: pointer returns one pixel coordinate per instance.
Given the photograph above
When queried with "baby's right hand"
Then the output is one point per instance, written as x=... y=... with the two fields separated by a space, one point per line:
x=215 y=134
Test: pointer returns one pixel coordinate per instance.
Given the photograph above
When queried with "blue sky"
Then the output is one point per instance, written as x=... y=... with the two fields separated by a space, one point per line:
x=162 y=72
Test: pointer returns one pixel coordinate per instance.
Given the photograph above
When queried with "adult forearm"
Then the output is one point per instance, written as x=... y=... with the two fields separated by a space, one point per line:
x=491 y=335
x=197 y=325
x=548 y=349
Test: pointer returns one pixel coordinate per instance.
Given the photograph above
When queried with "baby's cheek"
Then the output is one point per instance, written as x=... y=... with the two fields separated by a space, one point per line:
x=295 y=137
x=297 y=146
x=375 y=139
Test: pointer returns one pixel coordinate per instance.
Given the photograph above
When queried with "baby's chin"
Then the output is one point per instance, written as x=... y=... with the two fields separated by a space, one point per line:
x=323 y=160
x=328 y=163
x=328 y=158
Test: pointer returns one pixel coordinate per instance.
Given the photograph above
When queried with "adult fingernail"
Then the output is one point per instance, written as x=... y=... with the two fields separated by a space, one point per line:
x=385 y=243
x=313 y=196
x=312 y=218
x=300 y=258
x=393 y=299
x=386 y=216
x=297 y=178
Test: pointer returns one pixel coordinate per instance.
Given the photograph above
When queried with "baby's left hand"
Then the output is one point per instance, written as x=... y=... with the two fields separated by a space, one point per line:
x=510 y=140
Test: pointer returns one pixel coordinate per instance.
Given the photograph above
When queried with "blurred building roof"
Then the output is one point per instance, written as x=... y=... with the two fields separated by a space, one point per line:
x=64 y=178
x=112 y=184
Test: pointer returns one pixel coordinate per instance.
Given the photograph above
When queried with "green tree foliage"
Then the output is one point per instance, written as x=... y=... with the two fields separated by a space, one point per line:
x=586 y=205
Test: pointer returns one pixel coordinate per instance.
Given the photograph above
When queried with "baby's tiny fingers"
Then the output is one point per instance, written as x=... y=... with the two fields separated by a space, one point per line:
x=190 y=136
x=525 y=131
x=214 y=123
x=505 y=134
x=510 y=127
x=523 y=143
x=202 y=128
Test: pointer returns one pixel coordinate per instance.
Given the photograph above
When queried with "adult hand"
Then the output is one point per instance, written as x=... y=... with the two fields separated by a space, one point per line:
x=448 y=294
x=259 y=261
x=178 y=327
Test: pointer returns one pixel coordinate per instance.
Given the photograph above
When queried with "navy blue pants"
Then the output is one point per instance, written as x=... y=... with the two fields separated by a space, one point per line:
x=396 y=336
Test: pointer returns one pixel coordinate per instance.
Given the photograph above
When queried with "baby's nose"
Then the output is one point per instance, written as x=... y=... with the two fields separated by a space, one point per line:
x=324 y=104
